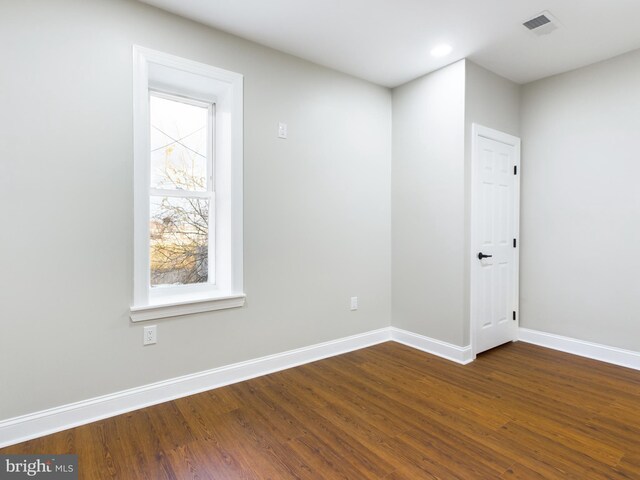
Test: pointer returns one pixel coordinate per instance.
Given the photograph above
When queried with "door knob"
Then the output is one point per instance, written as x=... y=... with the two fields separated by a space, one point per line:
x=482 y=255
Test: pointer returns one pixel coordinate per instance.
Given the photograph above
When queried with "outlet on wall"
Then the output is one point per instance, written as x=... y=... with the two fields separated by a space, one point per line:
x=354 y=303
x=150 y=335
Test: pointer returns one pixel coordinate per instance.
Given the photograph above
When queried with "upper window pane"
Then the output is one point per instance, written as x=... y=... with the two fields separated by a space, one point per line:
x=179 y=136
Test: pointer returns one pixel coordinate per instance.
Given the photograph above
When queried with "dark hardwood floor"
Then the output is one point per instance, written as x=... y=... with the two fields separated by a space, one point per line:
x=385 y=412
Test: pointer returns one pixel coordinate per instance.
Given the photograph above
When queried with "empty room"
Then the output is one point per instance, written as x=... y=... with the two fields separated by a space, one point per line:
x=304 y=239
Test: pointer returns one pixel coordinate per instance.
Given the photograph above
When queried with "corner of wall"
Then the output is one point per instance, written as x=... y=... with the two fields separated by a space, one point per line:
x=427 y=174
x=492 y=101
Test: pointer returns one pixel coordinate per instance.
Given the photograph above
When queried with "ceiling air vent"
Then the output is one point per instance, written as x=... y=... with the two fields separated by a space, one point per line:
x=537 y=22
x=542 y=24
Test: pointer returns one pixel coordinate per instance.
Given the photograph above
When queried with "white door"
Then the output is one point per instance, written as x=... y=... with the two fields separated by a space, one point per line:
x=494 y=238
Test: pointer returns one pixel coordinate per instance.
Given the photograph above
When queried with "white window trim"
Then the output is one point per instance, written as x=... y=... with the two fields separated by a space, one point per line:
x=225 y=89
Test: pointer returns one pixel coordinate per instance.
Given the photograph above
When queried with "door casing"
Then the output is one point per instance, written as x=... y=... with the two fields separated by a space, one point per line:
x=478 y=131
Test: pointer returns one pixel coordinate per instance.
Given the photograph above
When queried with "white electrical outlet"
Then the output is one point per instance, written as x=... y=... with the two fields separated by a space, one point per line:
x=282 y=130
x=150 y=335
x=354 y=303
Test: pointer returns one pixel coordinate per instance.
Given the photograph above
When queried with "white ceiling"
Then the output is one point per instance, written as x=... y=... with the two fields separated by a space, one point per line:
x=389 y=41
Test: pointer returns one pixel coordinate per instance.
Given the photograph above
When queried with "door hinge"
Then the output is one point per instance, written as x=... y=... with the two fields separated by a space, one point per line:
x=514 y=314
x=515 y=169
x=515 y=244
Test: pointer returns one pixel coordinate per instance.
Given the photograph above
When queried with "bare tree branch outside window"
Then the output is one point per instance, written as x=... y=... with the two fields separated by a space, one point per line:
x=179 y=225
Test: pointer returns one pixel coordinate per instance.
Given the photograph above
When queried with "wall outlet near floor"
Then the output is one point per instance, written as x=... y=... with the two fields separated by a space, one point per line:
x=354 y=303
x=150 y=335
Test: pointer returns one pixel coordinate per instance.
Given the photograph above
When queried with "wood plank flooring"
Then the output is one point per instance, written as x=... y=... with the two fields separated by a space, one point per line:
x=385 y=412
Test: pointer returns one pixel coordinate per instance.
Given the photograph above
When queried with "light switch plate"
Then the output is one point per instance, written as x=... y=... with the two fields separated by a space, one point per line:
x=282 y=130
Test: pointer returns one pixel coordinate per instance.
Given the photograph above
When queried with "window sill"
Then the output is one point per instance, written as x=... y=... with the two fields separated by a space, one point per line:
x=175 y=309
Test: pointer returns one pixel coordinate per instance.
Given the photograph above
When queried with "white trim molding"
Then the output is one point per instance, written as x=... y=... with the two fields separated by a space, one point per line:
x=462 y=355
x=477 y=132
x=221 y=92
x=27 y=427
x=153 y=312
x=33 y=425
x=595 y=351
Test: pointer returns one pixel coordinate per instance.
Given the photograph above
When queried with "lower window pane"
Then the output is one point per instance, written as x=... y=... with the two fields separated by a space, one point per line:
x=179 y=239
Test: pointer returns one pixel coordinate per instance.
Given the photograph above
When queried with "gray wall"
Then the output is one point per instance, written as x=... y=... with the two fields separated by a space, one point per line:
x=580 y=233
x=494 y=102
x=428 y=205
x=491 y=100
x=317 y=206
x=318 y=223
x=432 y=118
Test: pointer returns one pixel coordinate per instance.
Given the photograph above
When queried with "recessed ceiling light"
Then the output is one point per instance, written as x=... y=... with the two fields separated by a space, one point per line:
x=441 y=50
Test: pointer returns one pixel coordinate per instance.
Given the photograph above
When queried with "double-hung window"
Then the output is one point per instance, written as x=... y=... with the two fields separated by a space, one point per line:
x=182 y=195
x=188 y=187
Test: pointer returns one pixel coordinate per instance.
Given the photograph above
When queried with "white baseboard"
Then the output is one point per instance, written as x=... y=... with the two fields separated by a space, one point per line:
x=604 y=353
x=462 y=355
x=27 y=427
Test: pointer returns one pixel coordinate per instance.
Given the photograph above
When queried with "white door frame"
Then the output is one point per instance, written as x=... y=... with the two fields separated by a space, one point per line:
x=479 y=131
